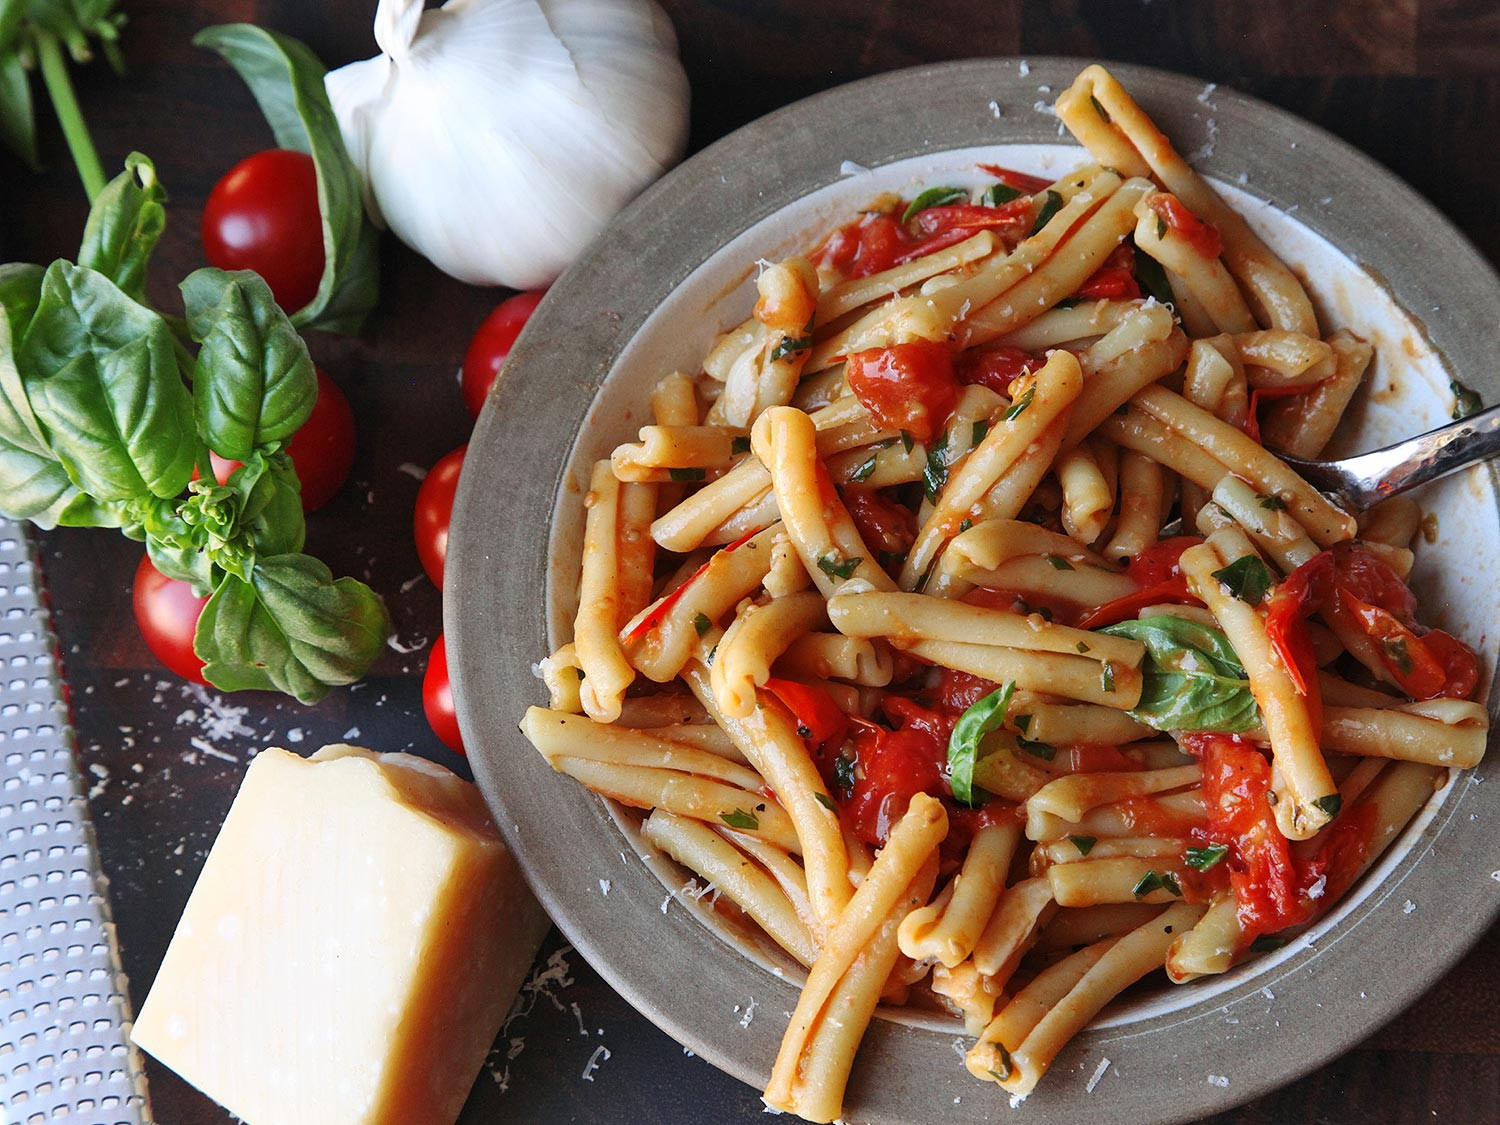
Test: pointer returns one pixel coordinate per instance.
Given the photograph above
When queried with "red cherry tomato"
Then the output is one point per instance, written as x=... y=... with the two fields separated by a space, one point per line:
x=167 y=612
x=490 y=347
x=907 y=387
x=322 y=451
x=437 y=698
x=435 y=511
x=263 y=216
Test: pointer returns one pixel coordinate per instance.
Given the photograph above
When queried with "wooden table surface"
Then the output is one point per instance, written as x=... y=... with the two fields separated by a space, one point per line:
x=1416 y=84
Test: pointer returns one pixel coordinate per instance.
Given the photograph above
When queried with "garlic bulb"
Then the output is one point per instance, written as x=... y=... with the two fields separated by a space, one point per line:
x=497 y=137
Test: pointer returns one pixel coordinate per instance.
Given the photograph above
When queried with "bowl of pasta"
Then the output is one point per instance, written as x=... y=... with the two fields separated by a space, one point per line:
x=954 y=670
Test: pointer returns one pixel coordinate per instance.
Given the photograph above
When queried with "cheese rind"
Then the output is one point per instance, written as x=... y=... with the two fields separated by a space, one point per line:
x=350 y=949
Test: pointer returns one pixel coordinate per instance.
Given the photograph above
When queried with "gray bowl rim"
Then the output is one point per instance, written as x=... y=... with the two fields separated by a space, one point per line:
x=1272 y=1028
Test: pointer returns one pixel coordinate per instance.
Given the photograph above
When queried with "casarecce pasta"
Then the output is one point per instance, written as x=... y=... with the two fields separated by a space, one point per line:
x=960 y=623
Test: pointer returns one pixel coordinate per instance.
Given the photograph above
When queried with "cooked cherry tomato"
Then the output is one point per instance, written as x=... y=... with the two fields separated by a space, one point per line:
x=263 y=216
x=322 y=451
x=871 y=244
x=907 y=387
x=995 y=367
x=1115 y=279
x=490 y=347
x=1020 y=181
x=167 y=612
x=820 y=721
x=894 y=766
x=1202 y=236
x=1236 y=788
x=434 y=512
x=1259 y=395
x=884 y=526
x=1158 y=571
x=664 y=605
x=437 y=698
x=1013 y=218
x=1287 y=610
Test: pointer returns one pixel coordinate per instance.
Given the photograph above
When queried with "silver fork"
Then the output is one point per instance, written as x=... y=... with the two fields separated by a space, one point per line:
x=1361 y=482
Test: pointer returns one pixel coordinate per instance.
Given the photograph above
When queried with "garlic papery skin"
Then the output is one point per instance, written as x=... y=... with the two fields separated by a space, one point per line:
x=498 y=137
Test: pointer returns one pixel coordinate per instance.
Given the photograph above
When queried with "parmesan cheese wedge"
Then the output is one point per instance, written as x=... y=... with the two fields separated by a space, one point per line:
x=349 y=951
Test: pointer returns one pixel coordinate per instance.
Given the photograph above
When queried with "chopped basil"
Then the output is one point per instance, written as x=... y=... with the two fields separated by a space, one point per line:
x=963 y=745
x=843 y=773
x=688 y=474
x=1018 y=407
x=1057 y=562
x=864 y=470
x=1192 y=677
x=1051 y=205
x=964 y=524
x=1107 y=676
x=740 y=819
x=1005 y=1061
x=831 y=565
x=709 y=659
x=1157 y=881
x=804 y=731
x=981 y=428
x=1400 y=657
x=581 y=674
x=1273 y=503
x=996 y=194
x=1201 y=859
x=1037 y=749
x=1099 y=109
x=790 y=345
x=1084 y=844
x=702 y=623
x=826 y=802
x=1153 y=279
x=1081 y=647
x=1161 y=227
x=1465 y=401
x=740 y=444
x=1247 y=578
x=935 y=472
x=1331 y=803
x=1265 y=944
x=934 y=197
x=1023 y=723
x=1068 y=303
x=907 y=441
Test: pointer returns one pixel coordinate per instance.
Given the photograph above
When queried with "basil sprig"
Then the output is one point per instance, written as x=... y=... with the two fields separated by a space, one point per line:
x=1192 y=678
x=287 y=81
x=963 y=745
x=98 y=428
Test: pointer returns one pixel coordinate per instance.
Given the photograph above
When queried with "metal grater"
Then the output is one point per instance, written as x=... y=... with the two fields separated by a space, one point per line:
x=65 y=1051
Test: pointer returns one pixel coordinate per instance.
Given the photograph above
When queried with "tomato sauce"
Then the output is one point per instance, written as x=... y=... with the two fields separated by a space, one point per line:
x=1115 y=279
x=908 y=387
x=885 y=526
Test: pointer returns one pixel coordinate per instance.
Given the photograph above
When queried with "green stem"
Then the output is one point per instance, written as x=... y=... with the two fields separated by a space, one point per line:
x=54 y=69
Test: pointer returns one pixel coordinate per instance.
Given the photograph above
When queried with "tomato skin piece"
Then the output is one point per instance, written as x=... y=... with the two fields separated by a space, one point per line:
x=907 y=387
x=434 y=513
x=819 y=719
x=869 y=245
x=895 y=765
x=1202 y=236
x=263 y=216
x=1014 y=218
x=1158 y=570
x=1290 y=604
x=1023 y=182
x=1115 y=279
x=437 y=698
x=491 y=345
x=167 y=612
x=994 y=367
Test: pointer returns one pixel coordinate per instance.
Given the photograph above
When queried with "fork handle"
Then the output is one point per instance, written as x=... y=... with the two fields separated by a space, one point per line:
x=1396 y=468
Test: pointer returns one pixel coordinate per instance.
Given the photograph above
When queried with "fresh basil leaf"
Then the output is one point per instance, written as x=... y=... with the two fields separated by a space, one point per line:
x=980 y=429
x=1272 y=503
x=1192 y=678
x=1051 y=204
x=863 y=471
x=935 y=471
x=1037 y=749
x=934 y=197
x=20 y=292
x=253 y=383
x=17 y=113
x=101 y=374
x=1331 y=803
x=835 y=567
x=1019 y=407
x=963 y=745
x=740 y=819
x=701 y=623
x=1247 y=578
x=1084 y=844
x=907 y=441
x=1157 y=881
x=287 y=81
x=790 y=345
x=1153 y=278
x=996 y=194
x=1202 y=859
x=826 y=802
x=291 y=628
x=124 y=225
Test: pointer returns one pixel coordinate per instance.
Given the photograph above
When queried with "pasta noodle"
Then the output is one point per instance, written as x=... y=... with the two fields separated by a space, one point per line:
x=960 y=621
